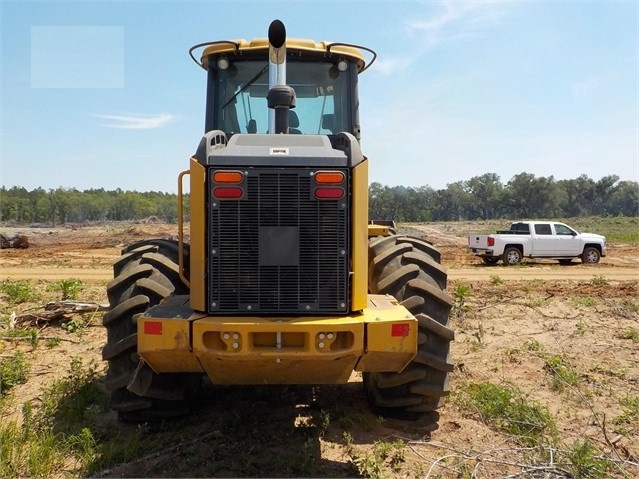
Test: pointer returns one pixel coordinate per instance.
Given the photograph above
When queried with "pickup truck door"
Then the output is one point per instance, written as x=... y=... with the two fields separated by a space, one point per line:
x=544 y=242
x=568 y=242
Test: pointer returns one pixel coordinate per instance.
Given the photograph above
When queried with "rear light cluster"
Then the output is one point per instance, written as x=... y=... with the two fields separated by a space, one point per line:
x=329 y=185
x=230 y=185
x=491 y=241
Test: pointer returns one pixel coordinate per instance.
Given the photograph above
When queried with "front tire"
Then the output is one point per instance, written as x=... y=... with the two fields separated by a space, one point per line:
x=590 y=255
x=409 y=269
x=146 y=273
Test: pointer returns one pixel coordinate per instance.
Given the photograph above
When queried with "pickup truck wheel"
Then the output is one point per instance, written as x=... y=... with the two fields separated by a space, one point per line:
x=512 y=256
x=490 y=260
x=146 y=273
x=590 y=255
x=409 y=269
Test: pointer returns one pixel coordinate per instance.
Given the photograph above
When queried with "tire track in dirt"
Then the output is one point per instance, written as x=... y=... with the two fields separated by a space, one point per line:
x=479 y=273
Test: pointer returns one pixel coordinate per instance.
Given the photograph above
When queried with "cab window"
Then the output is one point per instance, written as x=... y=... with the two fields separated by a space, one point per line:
x=563 y=230
x=543 y=229
x=322 y=97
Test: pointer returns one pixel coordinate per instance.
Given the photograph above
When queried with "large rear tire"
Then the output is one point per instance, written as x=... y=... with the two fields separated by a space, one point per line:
x=146 y=273
x=409 y=269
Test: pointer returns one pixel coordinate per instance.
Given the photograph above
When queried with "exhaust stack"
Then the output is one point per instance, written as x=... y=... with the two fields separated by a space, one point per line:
x=280 y=96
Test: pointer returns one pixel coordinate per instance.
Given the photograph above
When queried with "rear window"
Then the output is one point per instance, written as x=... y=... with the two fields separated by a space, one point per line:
x=543 y=229
x=521 y=227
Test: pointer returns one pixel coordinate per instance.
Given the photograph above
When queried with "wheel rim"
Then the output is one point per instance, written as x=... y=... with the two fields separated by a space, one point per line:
x=591 y=256
x=513 y=257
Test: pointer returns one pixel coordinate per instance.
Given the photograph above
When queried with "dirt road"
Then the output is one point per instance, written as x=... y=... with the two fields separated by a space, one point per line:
x=87 y=253
x=479 y=273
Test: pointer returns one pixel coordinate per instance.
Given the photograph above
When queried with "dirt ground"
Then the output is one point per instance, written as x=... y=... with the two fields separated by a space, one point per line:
x=511 y=319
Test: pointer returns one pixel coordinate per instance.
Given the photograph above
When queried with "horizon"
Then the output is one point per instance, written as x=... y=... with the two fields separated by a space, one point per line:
x=504 y=184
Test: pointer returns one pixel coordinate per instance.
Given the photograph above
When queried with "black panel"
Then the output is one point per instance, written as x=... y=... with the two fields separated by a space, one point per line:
x=279 y=249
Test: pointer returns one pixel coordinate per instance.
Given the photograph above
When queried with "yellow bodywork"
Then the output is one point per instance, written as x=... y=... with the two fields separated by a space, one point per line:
x=359 y=238
x=269 y=350
x=261 y=44
x=197 y=242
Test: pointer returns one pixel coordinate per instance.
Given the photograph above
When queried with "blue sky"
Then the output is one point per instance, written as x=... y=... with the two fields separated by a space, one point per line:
x=103 y=93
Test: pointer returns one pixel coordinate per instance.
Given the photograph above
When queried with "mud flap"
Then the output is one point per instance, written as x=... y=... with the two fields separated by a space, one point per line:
x=141 y=380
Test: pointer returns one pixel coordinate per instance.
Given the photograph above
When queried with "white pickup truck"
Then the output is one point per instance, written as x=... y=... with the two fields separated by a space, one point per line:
x=537 y=239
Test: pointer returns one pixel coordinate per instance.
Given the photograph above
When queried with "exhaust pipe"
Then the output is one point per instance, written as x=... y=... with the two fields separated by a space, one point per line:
x=280 y=96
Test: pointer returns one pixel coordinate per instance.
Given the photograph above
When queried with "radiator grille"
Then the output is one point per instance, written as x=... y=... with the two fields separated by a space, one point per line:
x=279 y=249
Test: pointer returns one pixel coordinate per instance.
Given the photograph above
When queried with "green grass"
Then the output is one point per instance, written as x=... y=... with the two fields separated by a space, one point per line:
x=561 y=371
x=584 y=461
x=74 y=400
x=18 y=292
x=69 y=289
x=27 y=335
x=584 y=301
x=13 y=371
x=27 y=453
x=55 y=429
x=599 y=280
x=534 y=346
x=375 y=463
x=629 y=417
x=630 y=333
x=461 y=294
x=505 y=408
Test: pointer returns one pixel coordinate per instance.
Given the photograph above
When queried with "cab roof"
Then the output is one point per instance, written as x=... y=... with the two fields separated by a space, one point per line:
x=352 y=52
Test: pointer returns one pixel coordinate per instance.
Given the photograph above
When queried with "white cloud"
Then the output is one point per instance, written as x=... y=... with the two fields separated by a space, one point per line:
x=586 y=86
x=456 y=20
x=136 y=122
x=446 y=21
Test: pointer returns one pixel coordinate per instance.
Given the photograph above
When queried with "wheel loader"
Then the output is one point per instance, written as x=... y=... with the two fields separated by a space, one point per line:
x=284 y=280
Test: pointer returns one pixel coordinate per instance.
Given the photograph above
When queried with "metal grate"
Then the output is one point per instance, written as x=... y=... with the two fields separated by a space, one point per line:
x=279 y=249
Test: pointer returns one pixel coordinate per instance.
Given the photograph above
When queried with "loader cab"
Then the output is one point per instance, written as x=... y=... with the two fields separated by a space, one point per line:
x=323 y=75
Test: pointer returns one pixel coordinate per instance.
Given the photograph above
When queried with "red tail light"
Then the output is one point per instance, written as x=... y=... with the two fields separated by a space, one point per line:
x=328 y=193
x=227 y=192
x=491 y=241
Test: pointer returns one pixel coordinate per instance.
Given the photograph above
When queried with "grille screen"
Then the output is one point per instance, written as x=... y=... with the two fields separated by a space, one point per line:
x=278 y=249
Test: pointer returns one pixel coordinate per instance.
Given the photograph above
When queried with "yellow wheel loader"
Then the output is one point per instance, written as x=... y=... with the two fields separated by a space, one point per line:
x=284 y=279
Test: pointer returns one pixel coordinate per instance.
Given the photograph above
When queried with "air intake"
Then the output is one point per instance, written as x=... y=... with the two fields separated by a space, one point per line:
x=279 y=247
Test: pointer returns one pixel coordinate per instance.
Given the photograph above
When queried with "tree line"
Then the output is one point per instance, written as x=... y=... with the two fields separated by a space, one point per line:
x=68 y=205
x=524 y=196
x=481 y=197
